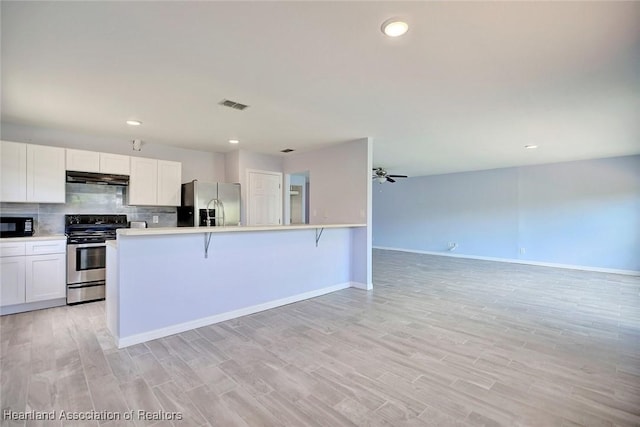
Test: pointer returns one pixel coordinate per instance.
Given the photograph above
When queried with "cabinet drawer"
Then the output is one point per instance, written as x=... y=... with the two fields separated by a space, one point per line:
x=46 y=247
x=12 y=249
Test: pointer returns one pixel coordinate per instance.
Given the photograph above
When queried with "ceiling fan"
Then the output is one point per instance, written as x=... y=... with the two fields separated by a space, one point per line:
x=381 y=175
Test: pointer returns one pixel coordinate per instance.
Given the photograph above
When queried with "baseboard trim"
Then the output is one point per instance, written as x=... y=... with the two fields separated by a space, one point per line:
x=30 y=306
x=517 y=261
x=123 y=342
x=363 y=286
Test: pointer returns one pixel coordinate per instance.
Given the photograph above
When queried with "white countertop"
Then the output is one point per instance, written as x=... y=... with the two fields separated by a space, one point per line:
x=236 y=229
x=33 y=238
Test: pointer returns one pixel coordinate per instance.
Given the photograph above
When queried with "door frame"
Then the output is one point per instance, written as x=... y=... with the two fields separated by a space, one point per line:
x=263 y=172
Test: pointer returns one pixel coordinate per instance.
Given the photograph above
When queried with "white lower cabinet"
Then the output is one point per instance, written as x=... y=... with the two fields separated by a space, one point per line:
x=32 y=271
x=45 y=277
x=12 y=280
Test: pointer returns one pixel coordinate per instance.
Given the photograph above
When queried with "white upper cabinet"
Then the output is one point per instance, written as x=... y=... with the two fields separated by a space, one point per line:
x=32 y=173
x=13 y=171
x=169 y=180
x=92 y=161
x=45 y=174
x=115 y=163
x=82 y=160
x=36 y=173
x=154 y=182
x=143 y=182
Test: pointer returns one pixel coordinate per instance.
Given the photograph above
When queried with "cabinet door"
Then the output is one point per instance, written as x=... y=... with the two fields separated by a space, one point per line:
x=82 y=160
x=169 y=181
x=114 y=163
x=143 y=181
x=13 y=171
x=45 y=277
x=12 y=280
x=45 y=174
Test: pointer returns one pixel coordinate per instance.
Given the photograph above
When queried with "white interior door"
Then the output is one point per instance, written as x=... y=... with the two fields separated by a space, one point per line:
x=265 y=198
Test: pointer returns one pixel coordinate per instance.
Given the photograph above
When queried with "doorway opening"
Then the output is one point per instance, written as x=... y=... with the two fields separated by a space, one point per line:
x=297 y=196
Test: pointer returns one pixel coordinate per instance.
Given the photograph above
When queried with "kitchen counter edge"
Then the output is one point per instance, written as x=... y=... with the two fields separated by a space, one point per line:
x=125 y=232
x=33 y=238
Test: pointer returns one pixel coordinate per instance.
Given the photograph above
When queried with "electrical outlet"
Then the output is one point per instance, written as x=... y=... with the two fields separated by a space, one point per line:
x=155 y=219
x=522 y=251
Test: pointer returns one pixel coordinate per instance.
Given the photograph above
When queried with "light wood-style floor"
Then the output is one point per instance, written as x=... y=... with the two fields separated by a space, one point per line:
x=440 y=341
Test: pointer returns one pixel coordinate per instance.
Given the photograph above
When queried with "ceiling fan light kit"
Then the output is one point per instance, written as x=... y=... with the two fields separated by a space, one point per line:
x=382 y=176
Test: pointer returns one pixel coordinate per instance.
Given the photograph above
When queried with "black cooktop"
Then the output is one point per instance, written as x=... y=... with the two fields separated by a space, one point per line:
x=99 y=219
x=92 y=228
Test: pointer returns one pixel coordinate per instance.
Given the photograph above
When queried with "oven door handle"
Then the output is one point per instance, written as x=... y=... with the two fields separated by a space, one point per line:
x=85 y=284
x=85 y=245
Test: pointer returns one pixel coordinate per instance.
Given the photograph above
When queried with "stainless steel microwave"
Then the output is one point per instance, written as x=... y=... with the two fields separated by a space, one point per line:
x=11 y=226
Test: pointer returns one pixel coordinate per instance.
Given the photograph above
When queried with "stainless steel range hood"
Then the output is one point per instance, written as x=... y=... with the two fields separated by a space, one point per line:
x=97 y=178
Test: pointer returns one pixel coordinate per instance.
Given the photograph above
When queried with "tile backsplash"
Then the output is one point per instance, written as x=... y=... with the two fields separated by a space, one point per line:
x=88 y=199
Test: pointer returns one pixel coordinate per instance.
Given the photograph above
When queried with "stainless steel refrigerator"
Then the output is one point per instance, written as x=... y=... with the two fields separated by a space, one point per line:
x=221 y=199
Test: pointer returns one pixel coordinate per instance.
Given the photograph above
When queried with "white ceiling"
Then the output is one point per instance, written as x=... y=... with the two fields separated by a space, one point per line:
x=469 y=85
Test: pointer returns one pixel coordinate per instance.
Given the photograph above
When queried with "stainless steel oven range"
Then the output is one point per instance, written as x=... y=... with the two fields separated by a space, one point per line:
x=86 y=254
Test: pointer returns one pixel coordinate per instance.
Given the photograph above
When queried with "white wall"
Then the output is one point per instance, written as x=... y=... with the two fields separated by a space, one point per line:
x=232 y=166
x=259 y=161
x=340 y=192
x=237 y=163
x=200 y=165
x=338 y=180
x=583 y=214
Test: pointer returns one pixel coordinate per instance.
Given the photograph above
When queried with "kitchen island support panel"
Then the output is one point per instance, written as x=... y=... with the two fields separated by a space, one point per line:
x=164 y=285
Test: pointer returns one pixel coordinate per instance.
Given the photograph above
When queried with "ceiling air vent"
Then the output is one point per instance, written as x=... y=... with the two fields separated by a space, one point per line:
x=233 y=104
x=287 y=150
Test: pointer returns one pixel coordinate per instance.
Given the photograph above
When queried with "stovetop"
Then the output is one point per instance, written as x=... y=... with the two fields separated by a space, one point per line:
x=92 y=228
x=95 y=220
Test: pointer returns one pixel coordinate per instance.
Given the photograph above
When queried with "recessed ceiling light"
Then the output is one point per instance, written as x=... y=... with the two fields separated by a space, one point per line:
x=530 y=147
x=134 y=122
x=394 y=27
x=233 y=141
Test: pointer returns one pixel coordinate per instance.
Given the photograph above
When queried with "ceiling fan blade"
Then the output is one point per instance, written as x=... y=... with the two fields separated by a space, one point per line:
x=390 y=180
x=399 y=176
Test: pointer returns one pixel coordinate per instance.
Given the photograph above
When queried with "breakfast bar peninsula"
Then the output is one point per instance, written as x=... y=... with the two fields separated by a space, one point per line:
x=163 y=281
